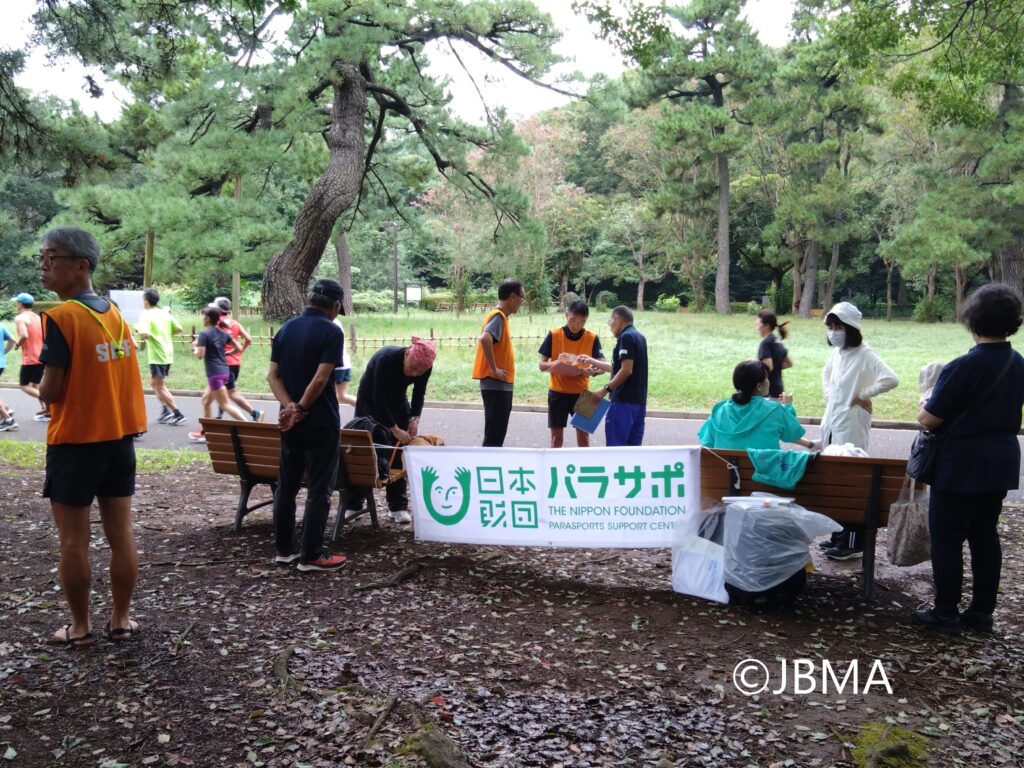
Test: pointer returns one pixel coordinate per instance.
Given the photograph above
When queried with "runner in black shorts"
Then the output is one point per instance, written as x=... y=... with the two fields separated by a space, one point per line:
x=560 y=406
x=30 y=375
x=159 y=371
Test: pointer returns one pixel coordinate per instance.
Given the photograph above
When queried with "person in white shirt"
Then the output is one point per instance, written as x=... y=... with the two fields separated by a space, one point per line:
x=852 y=377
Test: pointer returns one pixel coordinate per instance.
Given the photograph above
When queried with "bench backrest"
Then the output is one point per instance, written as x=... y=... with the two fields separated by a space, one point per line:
x=260 y=444
x=837 y=486
x=359 y=457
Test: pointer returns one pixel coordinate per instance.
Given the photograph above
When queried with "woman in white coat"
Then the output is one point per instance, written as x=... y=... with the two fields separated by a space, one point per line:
x=853 y=376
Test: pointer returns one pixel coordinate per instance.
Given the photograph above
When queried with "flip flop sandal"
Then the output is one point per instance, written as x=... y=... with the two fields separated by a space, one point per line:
x=119 y=634
x=81 y=641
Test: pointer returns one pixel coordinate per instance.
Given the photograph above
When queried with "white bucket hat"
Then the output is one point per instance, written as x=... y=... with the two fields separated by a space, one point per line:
x=847 y=314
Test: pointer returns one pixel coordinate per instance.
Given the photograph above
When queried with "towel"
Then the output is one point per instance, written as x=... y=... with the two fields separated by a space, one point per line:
x=782 y=469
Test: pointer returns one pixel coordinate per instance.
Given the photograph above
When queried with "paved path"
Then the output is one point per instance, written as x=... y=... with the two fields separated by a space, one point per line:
x=457 y=424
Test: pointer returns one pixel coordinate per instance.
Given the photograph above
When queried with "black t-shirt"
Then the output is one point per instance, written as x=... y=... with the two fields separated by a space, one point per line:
x=979 y=453
x=382 y=390
x=773 y=348
x=215 y=342
x=595 y=352
x=300 y=346
x=631 y=345
x=55 y=349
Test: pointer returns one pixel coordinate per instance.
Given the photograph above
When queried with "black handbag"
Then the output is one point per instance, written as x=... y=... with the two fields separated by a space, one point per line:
x=925 y=448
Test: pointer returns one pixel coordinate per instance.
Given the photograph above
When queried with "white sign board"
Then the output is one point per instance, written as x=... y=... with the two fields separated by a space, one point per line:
x=583 y=497
x=129 y=303
x=413 y=292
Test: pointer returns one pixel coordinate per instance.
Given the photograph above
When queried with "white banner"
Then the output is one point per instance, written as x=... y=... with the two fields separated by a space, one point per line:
x=569 y=497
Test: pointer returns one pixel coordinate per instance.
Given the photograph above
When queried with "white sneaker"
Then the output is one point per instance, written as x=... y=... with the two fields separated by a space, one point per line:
x=402 y=517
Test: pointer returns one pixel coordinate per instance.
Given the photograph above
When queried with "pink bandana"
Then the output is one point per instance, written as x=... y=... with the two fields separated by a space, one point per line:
x=423 y=351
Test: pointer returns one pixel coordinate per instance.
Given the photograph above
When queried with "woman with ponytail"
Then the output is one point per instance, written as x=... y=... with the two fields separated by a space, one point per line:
x=748 y=419
x=771 y=352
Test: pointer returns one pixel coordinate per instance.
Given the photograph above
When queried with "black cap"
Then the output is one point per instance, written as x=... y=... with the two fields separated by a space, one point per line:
x=329 y=288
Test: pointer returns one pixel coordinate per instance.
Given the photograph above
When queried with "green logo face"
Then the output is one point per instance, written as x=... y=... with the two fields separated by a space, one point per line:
x=446 y=504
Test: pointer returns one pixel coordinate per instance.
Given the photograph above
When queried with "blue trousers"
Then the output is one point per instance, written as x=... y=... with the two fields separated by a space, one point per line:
x=624 y=424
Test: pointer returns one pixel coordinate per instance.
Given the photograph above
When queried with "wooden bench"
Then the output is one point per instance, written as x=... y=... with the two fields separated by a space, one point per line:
x=252 y=452
x=849 y=490
x=358 y=469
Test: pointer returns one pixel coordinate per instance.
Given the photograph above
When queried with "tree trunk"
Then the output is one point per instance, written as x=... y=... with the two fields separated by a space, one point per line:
x=798 y=276
x=1011 y=263
x=829 y=286
x=344 y=270
x=811 y=253
x=563 y=288
x=287 y=277
x=933 y=273
x=960 y=280
x=888 y=289
x=722 y=278
x=901 y=291
x=640 y=286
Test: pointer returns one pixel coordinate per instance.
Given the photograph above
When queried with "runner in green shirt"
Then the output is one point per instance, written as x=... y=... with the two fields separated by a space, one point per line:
x=156 y=329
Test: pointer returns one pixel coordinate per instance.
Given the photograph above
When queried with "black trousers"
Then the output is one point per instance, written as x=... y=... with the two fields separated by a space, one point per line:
x=312 y=450
x=397 y=492
x=954 y=518
x=497 y=409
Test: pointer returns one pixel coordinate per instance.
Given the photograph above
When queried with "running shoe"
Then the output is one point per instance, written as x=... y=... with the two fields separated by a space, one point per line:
x=176 y=421
x=326 y=562
x=197 y=437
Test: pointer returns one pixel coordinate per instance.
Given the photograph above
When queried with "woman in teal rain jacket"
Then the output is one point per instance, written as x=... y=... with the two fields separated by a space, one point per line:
x=748 y=419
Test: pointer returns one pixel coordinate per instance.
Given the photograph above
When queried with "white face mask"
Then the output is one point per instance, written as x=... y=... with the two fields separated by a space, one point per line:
x=838 y=338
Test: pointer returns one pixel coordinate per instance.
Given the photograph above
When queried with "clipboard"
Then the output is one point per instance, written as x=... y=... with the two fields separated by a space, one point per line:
x=590 y=424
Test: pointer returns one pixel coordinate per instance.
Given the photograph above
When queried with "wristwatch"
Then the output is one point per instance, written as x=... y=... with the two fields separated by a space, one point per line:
x=302 y=409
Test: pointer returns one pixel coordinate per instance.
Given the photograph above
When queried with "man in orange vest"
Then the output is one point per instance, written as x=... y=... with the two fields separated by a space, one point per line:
x=559 y=353
x=495 y=363
x=92 y=383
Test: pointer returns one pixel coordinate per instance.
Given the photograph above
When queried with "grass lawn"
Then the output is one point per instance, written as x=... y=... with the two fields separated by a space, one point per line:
x=27 y=455
x=691 y=356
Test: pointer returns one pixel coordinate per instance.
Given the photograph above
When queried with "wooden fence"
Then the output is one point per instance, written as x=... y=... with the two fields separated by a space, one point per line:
x=365 y=343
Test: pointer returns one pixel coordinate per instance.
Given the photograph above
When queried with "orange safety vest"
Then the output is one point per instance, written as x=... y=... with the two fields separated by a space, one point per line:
x=102 y=397
x=570 y=385
x=504 y=355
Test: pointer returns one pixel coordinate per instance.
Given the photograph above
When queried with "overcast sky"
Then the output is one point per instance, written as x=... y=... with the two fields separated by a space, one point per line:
x=65 y=78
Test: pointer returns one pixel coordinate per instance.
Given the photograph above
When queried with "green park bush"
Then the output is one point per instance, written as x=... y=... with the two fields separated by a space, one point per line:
x=934 y=310
x=667 y=303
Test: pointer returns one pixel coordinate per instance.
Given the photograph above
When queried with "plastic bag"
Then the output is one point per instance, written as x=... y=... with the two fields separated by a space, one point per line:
x=766 y=542
x=909 y=541
x=697 y=560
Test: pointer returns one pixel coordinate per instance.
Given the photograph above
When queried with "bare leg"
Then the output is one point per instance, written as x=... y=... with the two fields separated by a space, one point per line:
x=557 y=437
x=207 y=401
x=582 y=439
x=163 y=394
x=75 y=574
x=221 y=396
x=343 y=396
x=116 y=513
x=239 y=399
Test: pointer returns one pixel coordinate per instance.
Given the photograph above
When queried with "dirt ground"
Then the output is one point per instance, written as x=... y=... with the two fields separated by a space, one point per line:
x=481 y=656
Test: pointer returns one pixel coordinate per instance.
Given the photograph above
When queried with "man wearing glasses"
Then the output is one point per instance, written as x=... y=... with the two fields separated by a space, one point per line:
x=495 y=364
x=91 y=381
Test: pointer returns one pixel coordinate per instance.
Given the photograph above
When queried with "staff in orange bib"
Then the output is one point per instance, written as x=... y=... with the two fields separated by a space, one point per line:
x=495 y=363
x=91 y=381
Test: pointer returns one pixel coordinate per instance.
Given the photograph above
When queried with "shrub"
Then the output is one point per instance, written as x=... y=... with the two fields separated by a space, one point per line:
x=934 y=310
x=753 y=307
x=606 y=300
x=666 y=303
x=570 y=297
x=434 y=301
x=372 y=301
x=781 y=300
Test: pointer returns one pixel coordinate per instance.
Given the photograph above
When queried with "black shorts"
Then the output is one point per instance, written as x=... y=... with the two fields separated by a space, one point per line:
x=233 y=373
x=560 y=405
x=78 y=473
x=157 y=371
x=30 y=374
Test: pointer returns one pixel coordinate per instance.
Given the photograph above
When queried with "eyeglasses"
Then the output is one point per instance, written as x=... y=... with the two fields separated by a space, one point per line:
x=45 y=259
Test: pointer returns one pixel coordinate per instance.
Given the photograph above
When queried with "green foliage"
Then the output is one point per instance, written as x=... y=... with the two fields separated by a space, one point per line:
x=373 y=301
x=606 y=300
x=881 y=745
x=934 y=310
x=753 y=307
x=27 y=455
x=666 y=303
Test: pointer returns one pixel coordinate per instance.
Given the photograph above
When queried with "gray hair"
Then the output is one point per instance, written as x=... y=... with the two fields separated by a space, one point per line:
x=77 y=242
x=624 y=313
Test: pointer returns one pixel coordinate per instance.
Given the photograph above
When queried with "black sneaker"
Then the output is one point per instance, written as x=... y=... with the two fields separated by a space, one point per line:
x=946 y=625
x=976 y=622
x=843 y=553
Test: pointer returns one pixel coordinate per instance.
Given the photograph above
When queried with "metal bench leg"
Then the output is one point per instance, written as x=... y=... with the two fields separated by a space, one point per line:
x=243 y=503
x=340 y=521
x=371 y=502
x=871 y=519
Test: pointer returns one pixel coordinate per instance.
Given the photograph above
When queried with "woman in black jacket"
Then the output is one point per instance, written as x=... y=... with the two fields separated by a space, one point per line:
x=978 y=460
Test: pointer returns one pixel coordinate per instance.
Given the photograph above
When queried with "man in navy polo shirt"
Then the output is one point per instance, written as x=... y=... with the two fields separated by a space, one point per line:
x=303 y=356
x=624 y=424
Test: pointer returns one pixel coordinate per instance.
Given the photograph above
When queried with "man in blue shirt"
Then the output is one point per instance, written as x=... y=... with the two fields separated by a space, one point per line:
x=303 y=356
x=624 y=424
